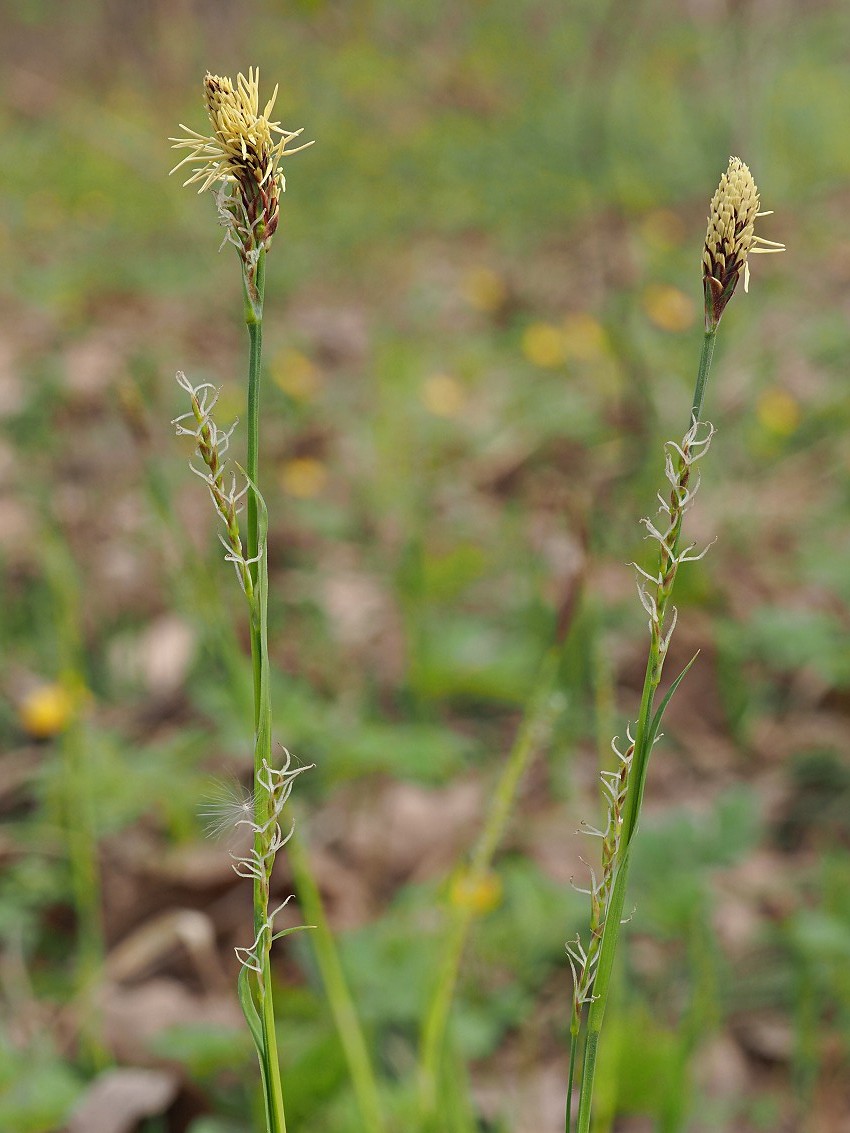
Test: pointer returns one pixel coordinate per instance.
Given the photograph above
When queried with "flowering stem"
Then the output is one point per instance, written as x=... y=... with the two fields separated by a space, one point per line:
x=241 y=157
x=605 y=935
x=345 y=1015
x=254 y=322
x=253 y=293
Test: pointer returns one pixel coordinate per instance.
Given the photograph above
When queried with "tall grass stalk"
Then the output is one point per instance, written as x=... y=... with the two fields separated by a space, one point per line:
x=531 y=738
x=342 y=1006
x=78 y=801
x=197 y=591
x=242 y=157
x=729 y=239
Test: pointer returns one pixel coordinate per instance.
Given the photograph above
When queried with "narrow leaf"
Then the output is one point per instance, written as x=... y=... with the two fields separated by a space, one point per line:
x=295 y=928
x=249 y=1010
x=643 y=750
x=662 y=707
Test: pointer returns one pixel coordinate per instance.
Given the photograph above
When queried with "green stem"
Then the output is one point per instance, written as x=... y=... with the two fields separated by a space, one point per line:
x=643 y=746
x=253 y=294
x=78 y=817
x=439 y=1009
x=339 y=997
x=254 y=290
x=601 y=988
x=254 y=320
x=530 y=738
x=568 y=1121
x=702 y=374
x=274 y=1086
x=263 y=755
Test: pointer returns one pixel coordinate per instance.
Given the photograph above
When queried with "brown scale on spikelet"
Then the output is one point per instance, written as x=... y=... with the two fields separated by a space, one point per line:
x=730 y=238
x=243 y=157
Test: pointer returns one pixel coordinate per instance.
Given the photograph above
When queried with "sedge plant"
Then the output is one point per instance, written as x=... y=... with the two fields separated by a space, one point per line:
x=730 y=239
x=241 y=161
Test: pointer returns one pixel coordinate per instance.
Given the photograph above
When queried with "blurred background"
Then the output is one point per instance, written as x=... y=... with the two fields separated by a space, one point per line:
x=483 y=319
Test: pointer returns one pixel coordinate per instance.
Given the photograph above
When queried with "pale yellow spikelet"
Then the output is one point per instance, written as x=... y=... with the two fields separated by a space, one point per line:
x=245 y=149
x=730 y=238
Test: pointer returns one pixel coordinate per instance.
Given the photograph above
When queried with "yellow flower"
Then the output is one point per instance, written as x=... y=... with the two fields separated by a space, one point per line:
x=667 y=307
x=584 y=337
x=442 y=395
x=244 y=153
x=477 y=894
x=662 y=230
x=46 y=711
x=485 y=290
x=778 y=412
x=544 y=345
x=296 y=374
x=730 y=238
x=303 y=477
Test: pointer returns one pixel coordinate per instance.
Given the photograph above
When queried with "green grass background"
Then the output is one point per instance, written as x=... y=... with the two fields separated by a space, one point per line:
x=565 y=154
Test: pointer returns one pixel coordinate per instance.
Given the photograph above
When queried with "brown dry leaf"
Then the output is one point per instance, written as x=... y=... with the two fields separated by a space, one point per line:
x=17 y=770
x=134 y=1017
x=553 y=840
x=364 y=621
x=158 y=658
x=143 y=950
x=338 y=333
x=92 y=364
x=356 y=606
x=762 y=878
x=347 y=898
x=720 y=1068
x=403 y=831
x=737 y=921
x=118 y=1099
x=203 y=867
x=766 y=1034
x=16 y=529
x=531 y=1099
x=365 y=845
x=12 y=388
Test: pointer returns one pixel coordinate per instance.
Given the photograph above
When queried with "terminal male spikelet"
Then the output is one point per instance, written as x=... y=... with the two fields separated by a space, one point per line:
x=730 y=238
x=242 y=158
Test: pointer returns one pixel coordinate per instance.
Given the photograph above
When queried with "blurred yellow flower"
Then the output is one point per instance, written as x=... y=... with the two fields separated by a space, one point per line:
x=544 y=345
x=477 y=895
x=662 y=230
x=778 y=412
x=669 y=308
x=46 y=711
x=584 y=337
x=296 y=374
x=443 y=395
x=485 y=290
x=303 y=477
